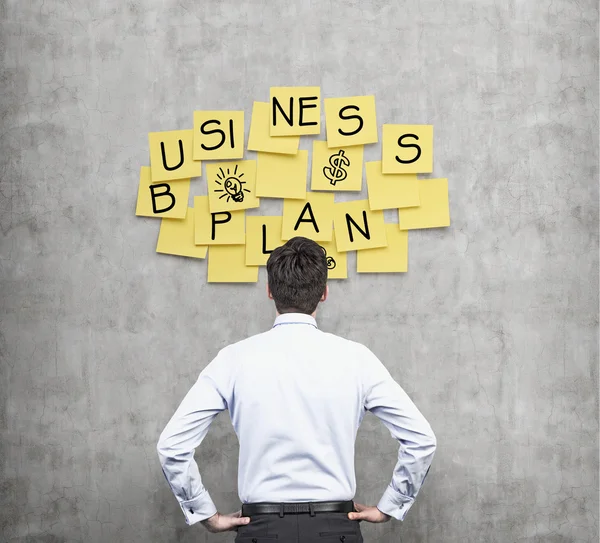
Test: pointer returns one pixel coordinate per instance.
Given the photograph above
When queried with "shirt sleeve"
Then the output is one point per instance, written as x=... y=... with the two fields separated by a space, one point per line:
x=185 y=431
x=386 y=399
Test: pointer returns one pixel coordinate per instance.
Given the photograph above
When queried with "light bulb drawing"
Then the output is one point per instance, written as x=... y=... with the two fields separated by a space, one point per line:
x=233 y=186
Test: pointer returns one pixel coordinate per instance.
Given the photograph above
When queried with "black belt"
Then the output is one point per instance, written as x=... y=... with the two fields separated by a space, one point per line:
x=261 y=508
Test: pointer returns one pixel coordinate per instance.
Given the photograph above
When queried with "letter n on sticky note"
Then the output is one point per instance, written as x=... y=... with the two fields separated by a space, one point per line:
x=393 y=258
x=171 y=155
x=226 y=264
x=311 y=218
x=176 y=237
x=295 y=111
x=357 y=227
x=263 y=235
x=407 y=148
x=434 y=210
x=163 y=199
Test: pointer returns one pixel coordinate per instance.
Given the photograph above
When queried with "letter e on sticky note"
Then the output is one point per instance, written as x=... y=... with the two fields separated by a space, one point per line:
x=295 y=111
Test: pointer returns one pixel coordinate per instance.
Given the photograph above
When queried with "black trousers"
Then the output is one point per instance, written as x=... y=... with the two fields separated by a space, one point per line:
x=300 y=528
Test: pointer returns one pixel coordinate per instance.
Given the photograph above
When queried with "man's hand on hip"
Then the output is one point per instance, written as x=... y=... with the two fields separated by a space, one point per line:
x=368 y=513
x=224 y=523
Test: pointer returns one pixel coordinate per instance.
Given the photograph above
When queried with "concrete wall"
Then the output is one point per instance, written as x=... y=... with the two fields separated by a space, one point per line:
x=493 y=331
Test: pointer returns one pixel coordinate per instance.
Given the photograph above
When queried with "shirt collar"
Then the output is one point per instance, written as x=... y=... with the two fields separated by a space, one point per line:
x=295 y=318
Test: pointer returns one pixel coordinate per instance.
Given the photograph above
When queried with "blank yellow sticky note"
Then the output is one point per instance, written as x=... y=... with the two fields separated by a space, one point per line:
x=164 y=199
x=311 y=218
x=259 y=138
x=263 y=235
x=337 y=263
x=176 y=237
x=218 y=135
x=391 y=190
x=434 y=210
x=407 y=148
x=281 y=176
x=393 y=258
x=226 y=264
x=171 y=155
x=357 y=227
x=295 y=111
x=350 y=121
x=231 y=186
x=222 y=228
x=336 y=169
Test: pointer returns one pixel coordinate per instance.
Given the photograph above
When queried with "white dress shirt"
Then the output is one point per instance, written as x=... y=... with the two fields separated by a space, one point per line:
x=296 y=396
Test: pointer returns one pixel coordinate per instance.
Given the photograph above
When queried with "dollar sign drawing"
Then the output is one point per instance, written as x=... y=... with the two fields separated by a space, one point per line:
x=337 y=172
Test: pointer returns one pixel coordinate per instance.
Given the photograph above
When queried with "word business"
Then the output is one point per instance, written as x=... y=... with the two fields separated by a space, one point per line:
x=235 y=243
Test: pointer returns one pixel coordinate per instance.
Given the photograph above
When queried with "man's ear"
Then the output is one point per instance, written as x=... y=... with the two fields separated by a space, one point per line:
x=325 y=294
x=269 y=292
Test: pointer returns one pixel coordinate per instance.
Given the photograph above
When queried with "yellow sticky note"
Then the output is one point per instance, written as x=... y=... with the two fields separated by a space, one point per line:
x=164 y=199
x=391 y=190
x=281 y=176
x=337 y=263
x=222 y=228
x=231 y=186
x=171 y=155
x=407 y=148
x=357 y=227
x=263 y=235
x=176 y=237
x=311 y=218
x=218 y=135
x=393 y=258
x=350 y=121
x=295 y=111
x=434 y=210
x=336 y=169
x=226 y=264
x=259 y=138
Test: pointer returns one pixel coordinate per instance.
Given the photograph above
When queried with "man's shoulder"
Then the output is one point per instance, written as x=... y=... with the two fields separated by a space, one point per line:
x=345 y=343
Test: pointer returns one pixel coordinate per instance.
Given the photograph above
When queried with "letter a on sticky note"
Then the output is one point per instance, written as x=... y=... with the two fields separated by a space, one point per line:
x=311 y=218
x=391 y=190
x=226 y=264
x=350 y=121
x=357 y=227
x=218 y=135
x=337 y=263
x=434 y=210
x=171 y=155
x=407 y=148
x=176 y=237
x=393 y=258
x=221 y=228
x=295 y=111
x=259 y=138
x=263 y=235
x=281 y=176
x=163 y=199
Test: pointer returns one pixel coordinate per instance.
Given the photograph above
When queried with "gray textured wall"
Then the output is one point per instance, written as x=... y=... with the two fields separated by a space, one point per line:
x=493 y=331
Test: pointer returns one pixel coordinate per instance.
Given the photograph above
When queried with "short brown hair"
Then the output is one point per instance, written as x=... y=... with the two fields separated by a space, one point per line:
x=297 y=273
